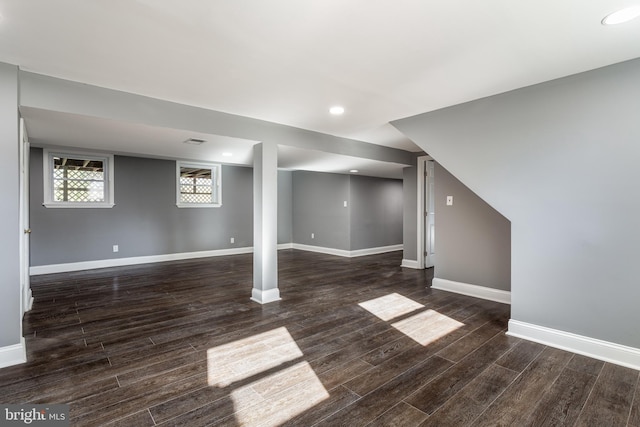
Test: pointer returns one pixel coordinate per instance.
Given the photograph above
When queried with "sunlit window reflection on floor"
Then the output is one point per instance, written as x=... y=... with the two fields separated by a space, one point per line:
x=427 y=326
x=249 y=356
x=269 y=383
x=288 y=393
x=423 y=327
x=390 y=306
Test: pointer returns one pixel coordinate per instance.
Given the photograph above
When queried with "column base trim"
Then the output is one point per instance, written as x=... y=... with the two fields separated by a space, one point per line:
x=266 y=296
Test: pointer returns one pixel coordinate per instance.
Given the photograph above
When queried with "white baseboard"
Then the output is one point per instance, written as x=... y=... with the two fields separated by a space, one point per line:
x=266 y=296
x=13 y=354
x=345 y=253
x=375 y=251
x=320 y=249
x=472 y=290
x=409 y=263
x=119 y=262
x=591 y=347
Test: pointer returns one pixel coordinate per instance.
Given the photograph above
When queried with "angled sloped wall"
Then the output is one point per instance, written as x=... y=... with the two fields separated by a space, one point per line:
x=473 y=241
x=560 y=160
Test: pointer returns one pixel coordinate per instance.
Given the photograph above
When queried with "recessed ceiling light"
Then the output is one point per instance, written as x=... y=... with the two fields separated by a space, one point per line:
x=354 y=171
x=194 y=141
x=336 y=110
x=622 y=15
x=227 y=154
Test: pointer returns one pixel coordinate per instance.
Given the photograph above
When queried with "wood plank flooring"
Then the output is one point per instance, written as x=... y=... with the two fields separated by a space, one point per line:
x=353 y=342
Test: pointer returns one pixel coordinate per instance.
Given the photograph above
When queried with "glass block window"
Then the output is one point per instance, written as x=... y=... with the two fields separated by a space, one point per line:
x=78 y=180
x=198 y=185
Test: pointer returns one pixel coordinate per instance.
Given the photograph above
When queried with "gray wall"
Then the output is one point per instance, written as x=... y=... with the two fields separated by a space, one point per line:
x=410 y=212
x=473 y=242
x=560 y=161
x=9 y=208
x=376 y=212
x=145 y=219
x=318 y=208
x=372 y=218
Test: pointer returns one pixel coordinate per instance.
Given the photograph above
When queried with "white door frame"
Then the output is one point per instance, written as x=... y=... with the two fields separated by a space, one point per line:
x=430 y=220
x=25 y=283
x=421 y=209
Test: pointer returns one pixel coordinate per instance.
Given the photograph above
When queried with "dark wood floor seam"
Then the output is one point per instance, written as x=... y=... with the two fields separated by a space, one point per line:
x=590 y=392
x=634 y=401
x=497 y=397
x=151 y=415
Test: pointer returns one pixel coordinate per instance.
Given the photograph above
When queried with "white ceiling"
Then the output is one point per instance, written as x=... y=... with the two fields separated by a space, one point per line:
x=288 y=61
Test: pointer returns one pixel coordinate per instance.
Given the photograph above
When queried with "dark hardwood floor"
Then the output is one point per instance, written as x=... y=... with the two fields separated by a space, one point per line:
x=353 y=342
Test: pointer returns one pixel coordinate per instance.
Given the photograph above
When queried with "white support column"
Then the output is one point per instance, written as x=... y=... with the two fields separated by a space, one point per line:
x=265 y=223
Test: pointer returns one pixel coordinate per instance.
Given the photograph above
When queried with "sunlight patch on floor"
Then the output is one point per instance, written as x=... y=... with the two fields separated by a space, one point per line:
x=390 y=306
x=427 y=326
x=424 y=327
x=288 y=393
x=250 y=356
x=268 y=382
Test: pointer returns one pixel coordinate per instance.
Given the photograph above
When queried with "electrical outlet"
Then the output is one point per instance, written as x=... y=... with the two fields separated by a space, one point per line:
x=115 y=248
x=449 y=200
x=345 y=203
x=313 y=236
x=233 y=240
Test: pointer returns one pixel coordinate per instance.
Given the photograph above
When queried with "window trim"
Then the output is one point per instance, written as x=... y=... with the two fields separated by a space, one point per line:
x=47 y=171
x=216 y=185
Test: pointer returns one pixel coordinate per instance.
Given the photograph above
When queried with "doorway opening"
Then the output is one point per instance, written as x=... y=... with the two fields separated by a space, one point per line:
x=426 y=212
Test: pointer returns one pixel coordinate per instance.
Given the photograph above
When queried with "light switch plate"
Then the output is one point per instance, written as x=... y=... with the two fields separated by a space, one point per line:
x=449 y=200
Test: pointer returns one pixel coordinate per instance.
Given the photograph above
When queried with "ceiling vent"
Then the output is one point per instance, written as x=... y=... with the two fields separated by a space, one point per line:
x=194 y=141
